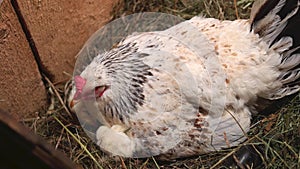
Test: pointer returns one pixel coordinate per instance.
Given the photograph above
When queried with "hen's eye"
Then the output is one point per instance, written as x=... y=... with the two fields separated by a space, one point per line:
x=99 y=90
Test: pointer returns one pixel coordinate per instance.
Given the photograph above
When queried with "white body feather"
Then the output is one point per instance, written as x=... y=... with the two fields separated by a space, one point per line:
x=182 y=82
x=206 y=72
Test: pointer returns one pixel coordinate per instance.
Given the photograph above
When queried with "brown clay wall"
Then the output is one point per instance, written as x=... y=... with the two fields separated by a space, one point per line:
x=58 y=30
x=22 y=89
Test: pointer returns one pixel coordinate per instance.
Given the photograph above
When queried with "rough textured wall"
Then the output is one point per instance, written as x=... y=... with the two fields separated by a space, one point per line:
x=58 y=30
x=22 y=89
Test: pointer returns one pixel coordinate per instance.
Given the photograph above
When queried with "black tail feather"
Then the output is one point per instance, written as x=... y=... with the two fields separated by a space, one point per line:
x=277 y=22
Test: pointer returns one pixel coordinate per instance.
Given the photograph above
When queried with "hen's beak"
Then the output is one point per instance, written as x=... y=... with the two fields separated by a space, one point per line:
x=72 y=104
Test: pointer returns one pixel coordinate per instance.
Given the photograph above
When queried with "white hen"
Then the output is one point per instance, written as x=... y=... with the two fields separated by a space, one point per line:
x=192 y=88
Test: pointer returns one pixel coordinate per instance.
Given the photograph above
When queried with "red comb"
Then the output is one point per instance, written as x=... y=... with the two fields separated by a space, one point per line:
x=79 y=83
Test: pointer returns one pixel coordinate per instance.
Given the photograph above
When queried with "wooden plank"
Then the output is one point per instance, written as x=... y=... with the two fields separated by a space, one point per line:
x=21 y=149
x=22 y=89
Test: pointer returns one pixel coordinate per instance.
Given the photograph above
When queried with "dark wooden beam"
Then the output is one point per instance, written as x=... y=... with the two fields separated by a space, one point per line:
x=22 y=149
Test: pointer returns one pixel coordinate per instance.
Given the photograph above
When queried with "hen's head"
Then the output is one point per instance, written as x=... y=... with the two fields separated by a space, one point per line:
x=91 y=84
x=114 y=79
